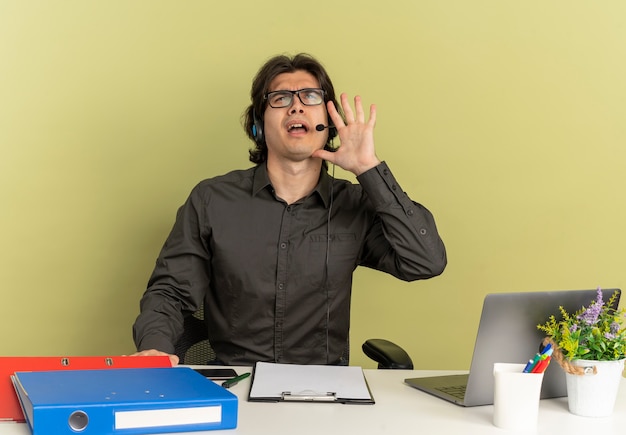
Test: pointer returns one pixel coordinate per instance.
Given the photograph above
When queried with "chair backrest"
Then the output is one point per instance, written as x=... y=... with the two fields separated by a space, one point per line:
x=193 y=347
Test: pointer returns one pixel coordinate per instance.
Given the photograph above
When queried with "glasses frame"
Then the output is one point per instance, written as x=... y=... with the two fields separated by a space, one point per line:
x=284 y=91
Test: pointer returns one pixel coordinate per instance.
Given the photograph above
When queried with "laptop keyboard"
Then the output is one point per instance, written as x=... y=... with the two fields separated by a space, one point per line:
x=457 y=391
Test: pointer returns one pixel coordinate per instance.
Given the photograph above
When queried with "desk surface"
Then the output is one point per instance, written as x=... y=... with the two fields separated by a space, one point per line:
x=398 y=409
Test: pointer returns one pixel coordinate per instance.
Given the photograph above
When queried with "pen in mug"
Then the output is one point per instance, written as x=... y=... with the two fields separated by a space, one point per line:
x=545 y=353
x=529 y=366
x=532 y=363
x=542 y=365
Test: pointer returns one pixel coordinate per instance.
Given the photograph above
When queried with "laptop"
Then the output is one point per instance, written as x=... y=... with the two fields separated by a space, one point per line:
x=508 y=333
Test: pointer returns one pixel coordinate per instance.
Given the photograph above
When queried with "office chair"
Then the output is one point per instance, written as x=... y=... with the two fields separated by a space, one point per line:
x=387 y=354
x=194 y=348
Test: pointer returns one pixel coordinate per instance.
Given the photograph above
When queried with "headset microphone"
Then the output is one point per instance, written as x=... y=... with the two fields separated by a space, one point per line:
x=322 y=127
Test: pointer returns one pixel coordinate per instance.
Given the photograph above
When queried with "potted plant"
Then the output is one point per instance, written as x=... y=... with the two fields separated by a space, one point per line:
x=590 y=345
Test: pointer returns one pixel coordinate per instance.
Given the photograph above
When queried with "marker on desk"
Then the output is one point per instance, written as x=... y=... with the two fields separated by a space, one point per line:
x=234 y=381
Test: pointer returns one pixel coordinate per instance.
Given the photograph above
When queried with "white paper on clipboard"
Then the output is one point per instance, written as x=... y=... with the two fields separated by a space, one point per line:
x=295 y=382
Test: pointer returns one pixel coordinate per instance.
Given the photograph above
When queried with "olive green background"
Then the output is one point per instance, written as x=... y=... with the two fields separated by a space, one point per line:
x=504 y=118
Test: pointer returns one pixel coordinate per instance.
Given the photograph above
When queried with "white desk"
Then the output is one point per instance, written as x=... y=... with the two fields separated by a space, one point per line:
x=399 y=409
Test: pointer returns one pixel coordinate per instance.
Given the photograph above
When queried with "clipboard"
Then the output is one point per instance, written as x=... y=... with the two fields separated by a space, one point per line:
x=274 y=382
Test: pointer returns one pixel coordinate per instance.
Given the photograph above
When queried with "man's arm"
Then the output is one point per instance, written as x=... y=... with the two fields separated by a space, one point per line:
x=404 y=241
x=177 y=283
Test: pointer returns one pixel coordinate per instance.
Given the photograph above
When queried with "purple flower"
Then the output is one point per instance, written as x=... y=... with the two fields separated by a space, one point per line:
x=573 y=328
x=599 y=296
x=590 y=315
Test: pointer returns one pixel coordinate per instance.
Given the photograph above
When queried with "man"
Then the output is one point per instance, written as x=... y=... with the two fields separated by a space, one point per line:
x=253 y=245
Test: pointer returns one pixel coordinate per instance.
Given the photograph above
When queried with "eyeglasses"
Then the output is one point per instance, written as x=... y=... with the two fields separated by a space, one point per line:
x=308 y=97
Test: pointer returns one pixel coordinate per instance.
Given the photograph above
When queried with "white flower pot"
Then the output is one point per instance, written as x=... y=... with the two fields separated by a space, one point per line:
x=592 y=395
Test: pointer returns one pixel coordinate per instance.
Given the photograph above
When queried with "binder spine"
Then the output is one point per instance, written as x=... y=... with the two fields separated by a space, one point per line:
x=98 y=420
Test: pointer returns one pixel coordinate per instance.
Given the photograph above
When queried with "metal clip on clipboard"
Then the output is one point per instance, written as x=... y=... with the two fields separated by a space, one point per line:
x=308 y=396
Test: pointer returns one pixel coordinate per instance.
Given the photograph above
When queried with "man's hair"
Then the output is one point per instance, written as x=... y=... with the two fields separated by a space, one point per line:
x=260 y=87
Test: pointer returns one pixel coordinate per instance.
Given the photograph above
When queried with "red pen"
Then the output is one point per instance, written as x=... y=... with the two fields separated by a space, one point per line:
x=541 y=366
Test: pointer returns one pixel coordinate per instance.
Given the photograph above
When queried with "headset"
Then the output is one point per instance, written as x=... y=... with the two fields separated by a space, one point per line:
x=257 y=128
x=259 y=137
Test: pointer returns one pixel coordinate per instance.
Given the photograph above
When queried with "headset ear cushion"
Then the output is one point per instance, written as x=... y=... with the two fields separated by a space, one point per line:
x=257 y=128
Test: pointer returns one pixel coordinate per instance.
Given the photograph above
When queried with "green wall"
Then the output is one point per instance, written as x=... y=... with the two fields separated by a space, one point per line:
x=505 y=118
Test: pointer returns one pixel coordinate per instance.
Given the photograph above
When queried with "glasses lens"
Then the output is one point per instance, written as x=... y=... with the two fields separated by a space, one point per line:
x=311 y=97
x=280 y=98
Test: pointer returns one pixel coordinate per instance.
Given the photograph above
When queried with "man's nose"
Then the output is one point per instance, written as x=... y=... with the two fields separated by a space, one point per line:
x=296 y=105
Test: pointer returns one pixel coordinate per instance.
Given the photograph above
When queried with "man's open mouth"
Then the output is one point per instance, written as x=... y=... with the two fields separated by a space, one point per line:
x=297 y=128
